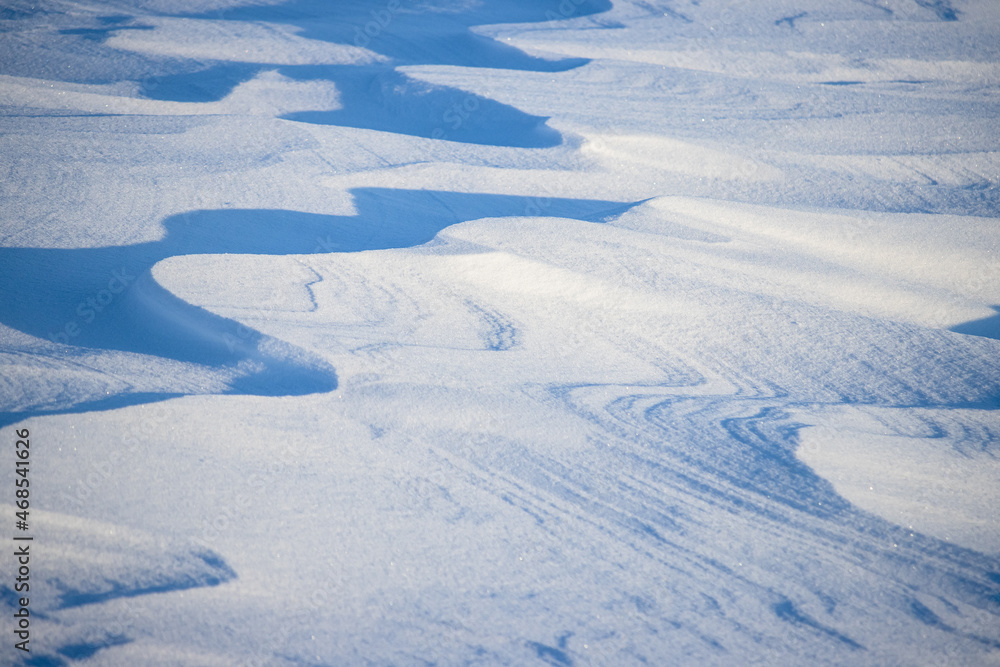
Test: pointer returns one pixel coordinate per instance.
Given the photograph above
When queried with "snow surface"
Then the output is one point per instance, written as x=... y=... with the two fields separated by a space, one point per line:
x=513 y=332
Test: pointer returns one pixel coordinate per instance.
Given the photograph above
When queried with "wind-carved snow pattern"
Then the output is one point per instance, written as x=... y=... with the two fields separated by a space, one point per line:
x=560 y=332
x=87 y=562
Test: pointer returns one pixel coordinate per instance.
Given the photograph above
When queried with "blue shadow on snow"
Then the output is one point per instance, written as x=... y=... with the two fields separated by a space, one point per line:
x=379 y=97
x=106 y=299
x=437 y=34
x=389 y=101
x=987 y=327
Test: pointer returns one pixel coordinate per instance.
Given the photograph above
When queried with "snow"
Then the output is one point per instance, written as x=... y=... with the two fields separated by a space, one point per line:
x=561 y=332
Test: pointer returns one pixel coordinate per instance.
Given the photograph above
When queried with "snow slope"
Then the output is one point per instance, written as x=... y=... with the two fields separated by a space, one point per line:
x=515 y=332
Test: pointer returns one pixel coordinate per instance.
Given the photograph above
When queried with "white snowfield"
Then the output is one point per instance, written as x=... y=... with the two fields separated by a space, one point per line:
x=510 y=332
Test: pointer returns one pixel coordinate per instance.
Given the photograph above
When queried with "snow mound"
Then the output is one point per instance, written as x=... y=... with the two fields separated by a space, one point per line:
x=89 y=562
x=81 y=563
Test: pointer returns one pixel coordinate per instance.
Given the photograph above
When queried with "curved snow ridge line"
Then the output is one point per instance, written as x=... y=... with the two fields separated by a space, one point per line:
x=911 y=466
x=500 y=333
x=316 y=279
x=84 y=563
x=794 y=67
x=685 y=467
x=753 y=454
x=266 y=93
x=203 y=568
x=389 y=100
x=89 y=562
x=32 y=381
x=660 y=521
x=236 y=41
x=672 y=155
x=251 y=362
x=760 y=428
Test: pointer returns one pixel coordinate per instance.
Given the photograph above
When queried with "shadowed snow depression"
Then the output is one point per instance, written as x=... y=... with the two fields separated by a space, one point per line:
x=566 y=332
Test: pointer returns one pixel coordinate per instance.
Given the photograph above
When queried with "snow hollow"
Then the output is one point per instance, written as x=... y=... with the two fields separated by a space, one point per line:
x=567 y=332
